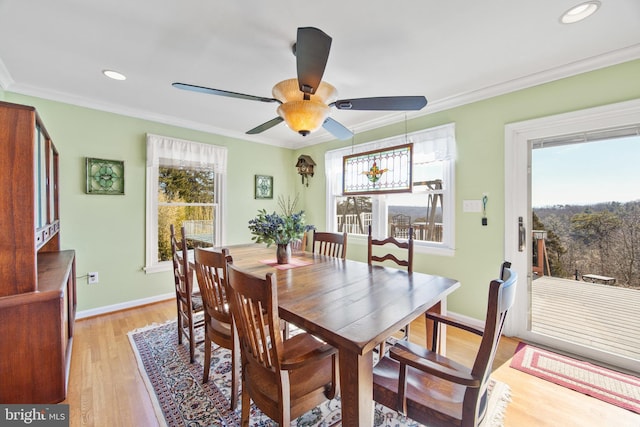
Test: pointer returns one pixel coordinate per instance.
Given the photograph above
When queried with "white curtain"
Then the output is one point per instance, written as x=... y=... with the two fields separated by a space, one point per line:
x=176 y=152
x=167 y=151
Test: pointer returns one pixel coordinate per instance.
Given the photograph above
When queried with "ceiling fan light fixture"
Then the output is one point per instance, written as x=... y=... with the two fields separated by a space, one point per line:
x=580 y=12
x=303 y=116
x=289 y=90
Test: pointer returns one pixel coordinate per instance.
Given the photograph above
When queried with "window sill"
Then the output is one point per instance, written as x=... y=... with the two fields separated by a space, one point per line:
x=158 y=268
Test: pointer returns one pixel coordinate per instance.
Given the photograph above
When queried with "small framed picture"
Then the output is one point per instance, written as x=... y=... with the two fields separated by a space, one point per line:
x=105 y=176
x=264 y=187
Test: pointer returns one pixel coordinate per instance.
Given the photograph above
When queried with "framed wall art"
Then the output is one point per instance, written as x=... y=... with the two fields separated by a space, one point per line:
x=263 y=187
x=105 y=176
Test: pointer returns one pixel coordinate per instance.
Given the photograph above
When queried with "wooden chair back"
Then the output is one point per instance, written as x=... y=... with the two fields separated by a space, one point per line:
x=210 y=267
x=408 y=246
x=299 y=245
x=284 y=379
x=462 y=392
x=502 y=294
x=188 y=303
x=330 y=244
x=180 y=263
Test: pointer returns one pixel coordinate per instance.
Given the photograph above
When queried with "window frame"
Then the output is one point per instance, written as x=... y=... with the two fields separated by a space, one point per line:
x=433 y=144
x=163 y=150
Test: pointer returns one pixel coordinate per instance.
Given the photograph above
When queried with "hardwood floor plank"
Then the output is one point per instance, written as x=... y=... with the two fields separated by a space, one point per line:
x=106 y=389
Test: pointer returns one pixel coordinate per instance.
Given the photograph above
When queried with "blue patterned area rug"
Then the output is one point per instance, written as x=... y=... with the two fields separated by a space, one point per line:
x=180 y=398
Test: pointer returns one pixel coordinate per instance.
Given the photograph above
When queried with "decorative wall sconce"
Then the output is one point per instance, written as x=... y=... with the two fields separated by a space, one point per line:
x=305 y=168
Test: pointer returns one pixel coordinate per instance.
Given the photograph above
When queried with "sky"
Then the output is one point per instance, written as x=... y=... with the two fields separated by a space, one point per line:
x=586 y=173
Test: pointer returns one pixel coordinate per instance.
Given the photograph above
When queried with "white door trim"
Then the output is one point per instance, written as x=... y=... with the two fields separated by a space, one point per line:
x=518 y=186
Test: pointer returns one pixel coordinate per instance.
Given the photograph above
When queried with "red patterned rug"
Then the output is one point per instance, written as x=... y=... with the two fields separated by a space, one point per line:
x=609 y=386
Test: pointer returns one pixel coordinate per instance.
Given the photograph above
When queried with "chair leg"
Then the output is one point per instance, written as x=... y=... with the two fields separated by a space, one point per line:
x=246 y=406
x=335 y=378
x=179 y=325
x=192 y=341
x=406 y=332
x=235 y=371
x=207 y=356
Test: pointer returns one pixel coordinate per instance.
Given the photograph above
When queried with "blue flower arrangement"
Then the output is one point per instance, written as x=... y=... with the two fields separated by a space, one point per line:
x=276 y=228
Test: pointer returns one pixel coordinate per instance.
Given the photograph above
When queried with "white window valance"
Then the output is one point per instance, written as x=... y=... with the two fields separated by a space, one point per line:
x=178 y=152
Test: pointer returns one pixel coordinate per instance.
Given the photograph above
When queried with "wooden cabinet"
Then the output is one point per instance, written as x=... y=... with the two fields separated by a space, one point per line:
x=37 y=279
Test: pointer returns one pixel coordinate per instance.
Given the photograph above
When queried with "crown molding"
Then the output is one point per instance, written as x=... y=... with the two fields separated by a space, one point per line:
x=578 y=67
x=571 y=69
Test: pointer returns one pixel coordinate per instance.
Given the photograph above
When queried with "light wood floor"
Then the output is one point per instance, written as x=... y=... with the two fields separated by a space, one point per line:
x=106 y=389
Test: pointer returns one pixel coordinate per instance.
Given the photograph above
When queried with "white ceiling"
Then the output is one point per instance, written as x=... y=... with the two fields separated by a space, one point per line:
x=452 y=52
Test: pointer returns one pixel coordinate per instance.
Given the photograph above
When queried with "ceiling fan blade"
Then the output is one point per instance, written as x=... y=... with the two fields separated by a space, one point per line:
x=220 y=92
x=337 y=129
x=312 y=51
x=265 y=126
x=382 y=103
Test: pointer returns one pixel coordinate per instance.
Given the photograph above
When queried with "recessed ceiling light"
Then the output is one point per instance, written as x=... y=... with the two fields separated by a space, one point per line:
x=114 y=75
x=580 y=12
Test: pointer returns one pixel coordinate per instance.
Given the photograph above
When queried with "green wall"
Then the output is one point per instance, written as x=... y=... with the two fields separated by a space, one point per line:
x=108 y=232
x=480 y=169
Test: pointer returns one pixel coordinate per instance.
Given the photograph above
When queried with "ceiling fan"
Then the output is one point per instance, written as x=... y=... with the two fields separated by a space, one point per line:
x=305 y=101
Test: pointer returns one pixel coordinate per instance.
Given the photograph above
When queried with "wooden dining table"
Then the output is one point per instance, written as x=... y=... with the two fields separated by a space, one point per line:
x=350 y=305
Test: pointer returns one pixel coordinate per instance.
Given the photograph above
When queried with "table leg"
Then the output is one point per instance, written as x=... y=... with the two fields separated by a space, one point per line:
x=439 y=308
x=356 y=388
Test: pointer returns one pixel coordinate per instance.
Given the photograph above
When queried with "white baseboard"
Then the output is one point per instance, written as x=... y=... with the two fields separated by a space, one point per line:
x=123 y=306
x=466 y=319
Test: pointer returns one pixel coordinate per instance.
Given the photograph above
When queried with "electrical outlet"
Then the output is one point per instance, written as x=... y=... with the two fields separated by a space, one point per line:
x=92 y=278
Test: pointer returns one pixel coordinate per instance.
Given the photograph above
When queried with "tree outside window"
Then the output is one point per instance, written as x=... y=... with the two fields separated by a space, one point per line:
x=186 y=198
x=186 y=188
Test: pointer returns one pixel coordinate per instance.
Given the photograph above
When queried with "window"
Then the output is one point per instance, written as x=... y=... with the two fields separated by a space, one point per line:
x=428 y=209
x=185 y=187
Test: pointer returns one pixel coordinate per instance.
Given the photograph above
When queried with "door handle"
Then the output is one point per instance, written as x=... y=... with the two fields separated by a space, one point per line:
x=522 y=237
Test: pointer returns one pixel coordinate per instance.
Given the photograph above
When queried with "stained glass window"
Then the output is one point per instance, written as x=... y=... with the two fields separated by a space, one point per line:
x=380 y=171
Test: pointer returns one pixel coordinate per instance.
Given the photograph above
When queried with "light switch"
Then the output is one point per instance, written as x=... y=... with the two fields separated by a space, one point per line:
x=472 y=206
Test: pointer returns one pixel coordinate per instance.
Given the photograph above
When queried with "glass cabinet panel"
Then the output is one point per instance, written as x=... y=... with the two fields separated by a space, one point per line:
x=52 y=187
x=40 y=163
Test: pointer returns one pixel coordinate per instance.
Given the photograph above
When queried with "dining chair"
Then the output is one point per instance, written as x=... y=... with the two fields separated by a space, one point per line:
x=393 y=243
x=433 y=389
x=375 y=246
x=284 y=378
x=189 y=303
x=299 y=245
x=218 y=322
x=331 y=244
